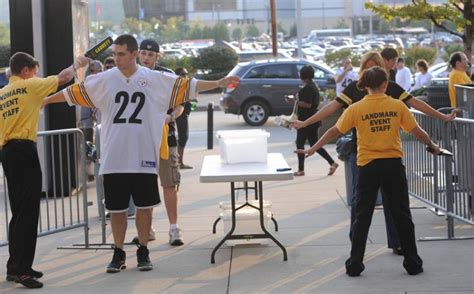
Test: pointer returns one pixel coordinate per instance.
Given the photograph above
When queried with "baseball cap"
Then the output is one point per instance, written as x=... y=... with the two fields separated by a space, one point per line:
x=150 y=45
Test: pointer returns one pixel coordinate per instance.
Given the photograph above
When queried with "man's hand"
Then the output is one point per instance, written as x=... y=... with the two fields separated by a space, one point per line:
x=168 y=119
x=228 y=80
x=81 y=61
x=452 y=115
x=297 y=124
x=433 y=148
x=307 y=153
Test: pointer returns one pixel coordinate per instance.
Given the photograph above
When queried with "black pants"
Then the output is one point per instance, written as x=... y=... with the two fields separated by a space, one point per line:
x=23 y=171
x=390 y=175
x=309 y=133
x=183 y=129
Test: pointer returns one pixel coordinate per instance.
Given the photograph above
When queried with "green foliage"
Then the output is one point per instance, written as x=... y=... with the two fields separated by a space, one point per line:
x=5 y=55
x=136 y=27
x=219 y=60
x=280 y=28
x=293 y=31
x=412 y=55
x=174 y=29
x=196 y=30
x=335 y=58
x=450 y=49
x=173 y=63
x=221 y=32
x=237 y=34
x=252 y=31
x=4 y=34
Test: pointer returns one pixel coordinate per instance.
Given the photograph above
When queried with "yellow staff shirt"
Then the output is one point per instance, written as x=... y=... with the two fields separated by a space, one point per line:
x=456 y=77
x=378 y=119
x=20 y=103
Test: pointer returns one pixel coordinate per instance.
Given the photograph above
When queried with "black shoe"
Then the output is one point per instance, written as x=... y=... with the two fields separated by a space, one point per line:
x=414 y=272
x=32 y=272
x=28 y=281
x=354 y=269
x=143 y=259
x=397 y=251
x=118 y=261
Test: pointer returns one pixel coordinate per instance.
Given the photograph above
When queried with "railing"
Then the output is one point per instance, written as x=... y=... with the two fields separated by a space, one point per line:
x=446 y=183
x=64 y=203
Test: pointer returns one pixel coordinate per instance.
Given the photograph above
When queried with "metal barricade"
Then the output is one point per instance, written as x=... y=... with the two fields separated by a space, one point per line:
x=64 y=206
x=443 y=182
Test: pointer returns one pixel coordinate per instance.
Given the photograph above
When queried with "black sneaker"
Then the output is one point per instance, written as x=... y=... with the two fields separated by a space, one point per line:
x=143 y=259
x=32 y=272
x=28 y=281
x=118 y=261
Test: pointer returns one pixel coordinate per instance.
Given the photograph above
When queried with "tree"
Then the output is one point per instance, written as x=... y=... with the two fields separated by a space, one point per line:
x=281 y=29
x=293 y=31
x=341 y=24
x=219 y=60
x=237 y=34
x=458 y=12
x=412 y=55
x=252 y=31
x=4 y=34
x=221 y=32
x=196 y=30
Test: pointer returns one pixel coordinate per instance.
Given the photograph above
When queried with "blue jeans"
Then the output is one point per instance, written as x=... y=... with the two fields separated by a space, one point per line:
x=393 y=240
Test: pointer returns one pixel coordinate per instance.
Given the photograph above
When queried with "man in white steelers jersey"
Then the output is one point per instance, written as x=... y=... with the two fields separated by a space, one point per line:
x=133 y=101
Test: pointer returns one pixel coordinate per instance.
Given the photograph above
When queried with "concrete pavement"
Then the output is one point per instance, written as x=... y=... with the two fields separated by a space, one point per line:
x=314 y=222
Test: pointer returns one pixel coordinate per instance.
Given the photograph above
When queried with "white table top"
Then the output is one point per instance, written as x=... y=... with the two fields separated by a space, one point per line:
x=214 y=171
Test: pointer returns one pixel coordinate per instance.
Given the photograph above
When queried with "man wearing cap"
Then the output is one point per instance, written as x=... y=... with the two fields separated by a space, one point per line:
x=168 y=167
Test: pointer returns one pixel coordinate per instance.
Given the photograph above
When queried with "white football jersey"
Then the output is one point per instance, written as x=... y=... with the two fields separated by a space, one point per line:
x=133 y=112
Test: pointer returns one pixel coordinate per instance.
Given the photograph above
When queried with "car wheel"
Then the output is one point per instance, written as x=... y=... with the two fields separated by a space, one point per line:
x=256 y=112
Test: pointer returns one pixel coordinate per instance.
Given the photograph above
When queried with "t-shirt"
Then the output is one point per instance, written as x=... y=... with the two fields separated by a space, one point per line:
x=378 y=119
x=403 y=78
x=352 y=94
x=348 y=78
x=133 y=113
x=20 y=103
x=309 y=94
x=422 y=80
x=456 y=77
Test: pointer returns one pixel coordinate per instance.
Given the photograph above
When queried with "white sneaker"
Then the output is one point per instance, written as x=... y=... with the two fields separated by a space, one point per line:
x=176 y=237
x=151 y=235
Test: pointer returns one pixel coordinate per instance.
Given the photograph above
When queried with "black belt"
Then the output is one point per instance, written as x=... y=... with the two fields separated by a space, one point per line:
x=20 y=141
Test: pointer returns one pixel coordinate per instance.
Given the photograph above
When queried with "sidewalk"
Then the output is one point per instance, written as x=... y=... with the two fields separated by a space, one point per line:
x=313 y=223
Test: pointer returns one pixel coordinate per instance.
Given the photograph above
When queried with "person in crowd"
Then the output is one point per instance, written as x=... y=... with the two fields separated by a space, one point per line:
x=182 y=122
x=20 y=107
x=424 y=78
x=390 y=57
x=133 y=101
x=403 y=76
x=86 y=118
x=345 y=75
x=353 y=94
x=109 y=63
x=458 y=76
x=168 y=172
x=378 y=119
x=307 y=105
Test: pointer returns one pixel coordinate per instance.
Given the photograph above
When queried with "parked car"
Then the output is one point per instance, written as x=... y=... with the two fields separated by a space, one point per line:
x=264 y=54
x=264 y=85
x=3 y=77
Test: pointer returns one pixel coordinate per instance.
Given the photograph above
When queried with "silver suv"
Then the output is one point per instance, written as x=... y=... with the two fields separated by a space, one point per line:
x=264 y=85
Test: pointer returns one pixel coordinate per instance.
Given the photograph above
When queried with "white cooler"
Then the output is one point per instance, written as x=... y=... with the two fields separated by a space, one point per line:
x=235 y=145
x=247 y=221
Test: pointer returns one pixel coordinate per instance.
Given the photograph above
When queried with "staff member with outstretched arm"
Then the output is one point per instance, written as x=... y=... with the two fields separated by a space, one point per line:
x=20 y=103
x=378 y=119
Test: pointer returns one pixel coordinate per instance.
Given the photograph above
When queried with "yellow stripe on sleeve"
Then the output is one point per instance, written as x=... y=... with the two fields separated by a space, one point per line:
x=77 y=96
x=174 y=93
x=183 y=87
x=71 y=95
x=345 y=98
x=404 y=96
x=86 y=96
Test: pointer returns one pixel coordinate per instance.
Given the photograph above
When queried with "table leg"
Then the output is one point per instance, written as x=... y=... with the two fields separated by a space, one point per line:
x=231 y=231
x=262 y=224
x=215 y=225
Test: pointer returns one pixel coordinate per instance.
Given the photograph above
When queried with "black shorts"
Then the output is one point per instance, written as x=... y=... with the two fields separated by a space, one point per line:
x=119 y=187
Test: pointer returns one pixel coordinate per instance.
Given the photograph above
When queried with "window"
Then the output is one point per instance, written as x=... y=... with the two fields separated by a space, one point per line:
x=319 y=74
x=274 y=71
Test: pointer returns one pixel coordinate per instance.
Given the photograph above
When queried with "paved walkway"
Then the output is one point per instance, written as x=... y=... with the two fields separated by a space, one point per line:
x=313 y=218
